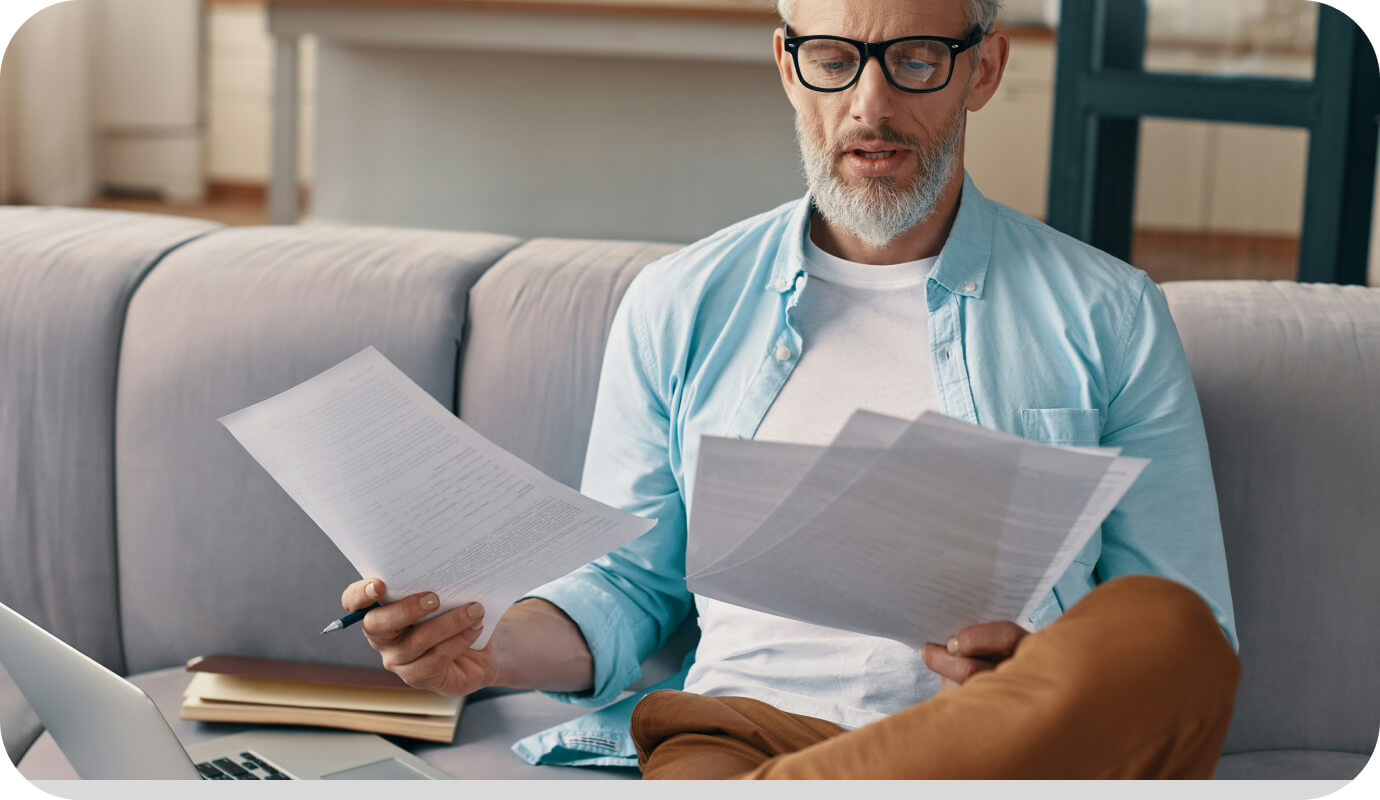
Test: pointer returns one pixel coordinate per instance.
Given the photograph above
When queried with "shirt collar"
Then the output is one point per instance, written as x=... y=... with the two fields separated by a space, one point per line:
x=962 y=265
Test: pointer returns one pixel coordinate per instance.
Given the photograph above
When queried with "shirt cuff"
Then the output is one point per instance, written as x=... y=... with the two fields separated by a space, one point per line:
x=607 y=633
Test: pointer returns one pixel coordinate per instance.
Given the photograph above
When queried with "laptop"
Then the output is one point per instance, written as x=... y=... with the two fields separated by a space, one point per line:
x=109 y=729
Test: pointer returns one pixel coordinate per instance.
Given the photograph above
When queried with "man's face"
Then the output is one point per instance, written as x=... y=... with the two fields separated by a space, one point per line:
x=878 y=159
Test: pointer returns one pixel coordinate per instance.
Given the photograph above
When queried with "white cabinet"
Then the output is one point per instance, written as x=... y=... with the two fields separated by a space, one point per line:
x=1173 y=177
x=1007 y=147
x=1258 y=177
x=239 y=118
x=147 y=95
x=1211 y=176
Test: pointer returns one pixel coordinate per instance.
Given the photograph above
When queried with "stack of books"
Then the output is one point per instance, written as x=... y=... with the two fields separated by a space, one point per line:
x=228 y=688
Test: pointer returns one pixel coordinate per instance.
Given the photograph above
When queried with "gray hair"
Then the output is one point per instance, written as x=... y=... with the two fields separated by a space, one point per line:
x=975 y=12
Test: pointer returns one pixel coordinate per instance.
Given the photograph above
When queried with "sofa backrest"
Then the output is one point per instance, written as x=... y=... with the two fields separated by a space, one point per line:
x=213 y=555
x=110 y=397
x=1288 y=376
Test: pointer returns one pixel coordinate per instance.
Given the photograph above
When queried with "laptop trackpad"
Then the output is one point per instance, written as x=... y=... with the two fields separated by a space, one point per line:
x=389 y=769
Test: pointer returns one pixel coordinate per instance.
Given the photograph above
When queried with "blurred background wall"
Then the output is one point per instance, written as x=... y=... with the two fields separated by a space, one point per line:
x=47 y=110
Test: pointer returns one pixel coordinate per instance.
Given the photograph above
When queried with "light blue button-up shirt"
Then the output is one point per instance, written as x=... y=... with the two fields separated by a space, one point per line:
x=1031 y=332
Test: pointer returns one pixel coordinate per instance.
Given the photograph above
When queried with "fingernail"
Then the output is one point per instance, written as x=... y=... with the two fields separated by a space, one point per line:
x=371 y=590
x=430 y=601
x=476 y=611
x=953 y=645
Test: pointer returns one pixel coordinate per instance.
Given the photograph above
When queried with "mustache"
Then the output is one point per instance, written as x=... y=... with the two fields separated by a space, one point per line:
x=885 y=133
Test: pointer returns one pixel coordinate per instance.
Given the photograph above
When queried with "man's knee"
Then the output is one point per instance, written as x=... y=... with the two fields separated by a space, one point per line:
x=1162 y=608
x=1166 y=634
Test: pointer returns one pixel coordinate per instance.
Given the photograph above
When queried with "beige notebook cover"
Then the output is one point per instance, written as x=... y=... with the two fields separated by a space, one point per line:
x=267 y=691
x=227 y=688
x=435 y=729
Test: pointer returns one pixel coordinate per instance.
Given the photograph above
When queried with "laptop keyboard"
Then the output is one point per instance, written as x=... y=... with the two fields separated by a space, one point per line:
x=247 y=767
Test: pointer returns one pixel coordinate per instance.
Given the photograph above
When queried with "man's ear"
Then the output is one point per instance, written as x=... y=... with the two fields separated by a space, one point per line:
x=990 y=67
x=784 y=65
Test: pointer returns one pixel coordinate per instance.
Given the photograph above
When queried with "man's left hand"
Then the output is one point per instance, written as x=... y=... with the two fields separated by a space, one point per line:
x=975 y=649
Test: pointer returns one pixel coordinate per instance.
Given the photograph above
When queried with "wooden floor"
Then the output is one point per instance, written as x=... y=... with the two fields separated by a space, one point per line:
x=1177 y=256
x=1165 y=255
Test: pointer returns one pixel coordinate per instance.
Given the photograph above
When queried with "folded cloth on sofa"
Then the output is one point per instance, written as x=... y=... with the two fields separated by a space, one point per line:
x=598 y=739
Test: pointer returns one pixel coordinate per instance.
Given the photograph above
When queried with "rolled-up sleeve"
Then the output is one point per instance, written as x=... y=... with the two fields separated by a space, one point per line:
x=627 y=603
x=1168 y=522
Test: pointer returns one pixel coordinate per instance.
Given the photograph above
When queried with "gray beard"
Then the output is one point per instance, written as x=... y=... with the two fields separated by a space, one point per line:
x=878 y=212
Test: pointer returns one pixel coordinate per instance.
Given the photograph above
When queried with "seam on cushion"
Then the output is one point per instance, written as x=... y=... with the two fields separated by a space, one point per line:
x=462 y=343
x=114 y=432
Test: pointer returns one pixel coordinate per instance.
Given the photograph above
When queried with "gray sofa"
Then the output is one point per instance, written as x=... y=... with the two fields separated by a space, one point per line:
x=135 y=528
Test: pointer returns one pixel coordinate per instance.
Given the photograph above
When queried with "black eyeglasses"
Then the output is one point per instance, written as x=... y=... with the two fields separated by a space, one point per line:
x=914 y=64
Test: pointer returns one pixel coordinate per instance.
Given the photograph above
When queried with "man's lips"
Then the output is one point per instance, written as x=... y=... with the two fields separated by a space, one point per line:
x=872 y=146
x=874 y=159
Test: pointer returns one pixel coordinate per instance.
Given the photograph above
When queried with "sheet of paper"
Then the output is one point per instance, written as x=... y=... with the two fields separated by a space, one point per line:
x=747 y=480
x=796 y=495
x=414 y=496
x=949 y=527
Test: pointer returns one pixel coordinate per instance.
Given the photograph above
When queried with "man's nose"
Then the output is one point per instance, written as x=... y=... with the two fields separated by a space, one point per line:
x=873 y=97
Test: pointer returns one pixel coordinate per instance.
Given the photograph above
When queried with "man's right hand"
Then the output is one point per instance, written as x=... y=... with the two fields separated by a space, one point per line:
x=432 y=655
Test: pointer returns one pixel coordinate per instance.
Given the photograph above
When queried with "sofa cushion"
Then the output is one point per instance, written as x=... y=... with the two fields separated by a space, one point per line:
x=487 y=730
x=1294 y=765
x=213 y=555
x=66 y=277
x=1288 y=375
x=537 y=326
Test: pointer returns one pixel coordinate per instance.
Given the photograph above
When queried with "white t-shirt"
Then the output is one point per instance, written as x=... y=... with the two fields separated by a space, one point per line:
x=865 y=345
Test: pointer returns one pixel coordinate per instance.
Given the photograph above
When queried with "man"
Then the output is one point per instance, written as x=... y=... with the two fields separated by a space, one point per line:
x=894 y=285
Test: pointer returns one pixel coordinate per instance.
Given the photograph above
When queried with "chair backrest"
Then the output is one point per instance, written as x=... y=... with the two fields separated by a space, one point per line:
x=1288 y=376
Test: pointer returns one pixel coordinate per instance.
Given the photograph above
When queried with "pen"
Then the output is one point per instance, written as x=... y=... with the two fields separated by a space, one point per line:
x=349 y=619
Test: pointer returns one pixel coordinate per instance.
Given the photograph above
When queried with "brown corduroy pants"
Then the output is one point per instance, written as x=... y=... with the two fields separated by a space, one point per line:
x=1135 y=681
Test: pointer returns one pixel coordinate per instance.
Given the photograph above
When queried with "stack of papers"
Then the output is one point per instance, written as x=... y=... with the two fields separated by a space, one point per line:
x=907 y=530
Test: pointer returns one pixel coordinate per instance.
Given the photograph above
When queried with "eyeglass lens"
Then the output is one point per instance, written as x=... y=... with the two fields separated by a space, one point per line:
x=914 y=64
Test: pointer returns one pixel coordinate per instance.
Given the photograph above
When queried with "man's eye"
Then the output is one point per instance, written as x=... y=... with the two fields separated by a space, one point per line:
x=835 y=66
x=921 y=68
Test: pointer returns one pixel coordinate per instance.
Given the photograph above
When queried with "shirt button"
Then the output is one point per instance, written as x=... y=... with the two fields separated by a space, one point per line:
x=782 y=284
x=800 y=283
x=783 y=353
x=969 y=287
x=944 y=355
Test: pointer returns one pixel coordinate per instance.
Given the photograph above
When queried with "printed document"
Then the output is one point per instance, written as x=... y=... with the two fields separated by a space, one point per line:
x=911 y=531
x=414 y=496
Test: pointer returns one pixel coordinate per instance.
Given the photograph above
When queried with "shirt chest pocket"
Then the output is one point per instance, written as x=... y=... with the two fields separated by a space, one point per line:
x=1078 y=427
